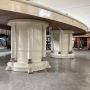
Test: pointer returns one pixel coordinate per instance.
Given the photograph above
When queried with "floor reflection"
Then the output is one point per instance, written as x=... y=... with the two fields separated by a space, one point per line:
x=65 y=74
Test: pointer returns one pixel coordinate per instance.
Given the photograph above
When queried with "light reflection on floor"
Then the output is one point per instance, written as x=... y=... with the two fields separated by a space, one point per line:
x=65 y=74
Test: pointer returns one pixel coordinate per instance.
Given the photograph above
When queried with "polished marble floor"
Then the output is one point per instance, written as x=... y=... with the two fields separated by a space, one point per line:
x=65 y=74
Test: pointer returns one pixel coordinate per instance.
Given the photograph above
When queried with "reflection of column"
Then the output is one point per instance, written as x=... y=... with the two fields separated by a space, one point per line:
x=29 y=45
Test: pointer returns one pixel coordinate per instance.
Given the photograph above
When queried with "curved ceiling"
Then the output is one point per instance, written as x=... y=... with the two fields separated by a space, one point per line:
x=18 y=9
x=78 y=9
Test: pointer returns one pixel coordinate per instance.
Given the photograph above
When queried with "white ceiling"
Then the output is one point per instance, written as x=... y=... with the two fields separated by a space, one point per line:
x=79 y=9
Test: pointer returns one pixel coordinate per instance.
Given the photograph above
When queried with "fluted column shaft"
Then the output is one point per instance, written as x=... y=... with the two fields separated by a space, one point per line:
x=31 y=45
x=44 y=41
x=63 y=43
x=13 y=42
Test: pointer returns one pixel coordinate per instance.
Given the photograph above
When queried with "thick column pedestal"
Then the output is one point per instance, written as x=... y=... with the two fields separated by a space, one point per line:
x=30 y=48
x=63 y=44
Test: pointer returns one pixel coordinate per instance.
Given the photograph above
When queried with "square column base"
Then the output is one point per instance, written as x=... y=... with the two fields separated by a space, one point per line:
x=22 y=67
x=54 y=55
